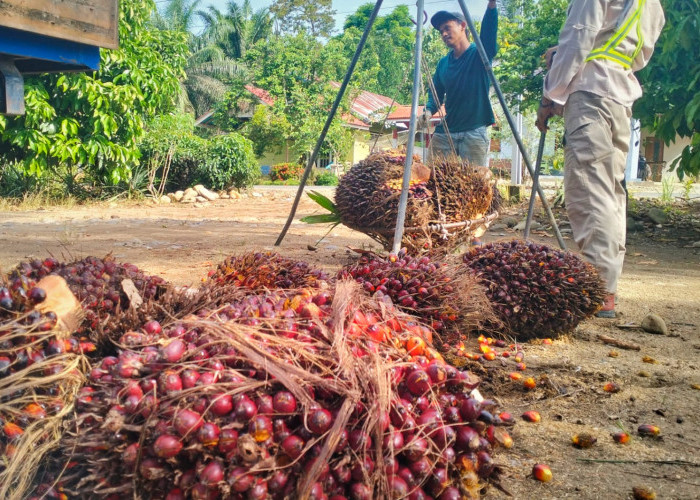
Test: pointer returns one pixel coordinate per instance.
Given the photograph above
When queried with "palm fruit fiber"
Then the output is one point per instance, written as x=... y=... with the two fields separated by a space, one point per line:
x=535 y=290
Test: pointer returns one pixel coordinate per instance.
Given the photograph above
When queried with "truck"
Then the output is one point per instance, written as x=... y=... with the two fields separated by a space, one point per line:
x=50 y=36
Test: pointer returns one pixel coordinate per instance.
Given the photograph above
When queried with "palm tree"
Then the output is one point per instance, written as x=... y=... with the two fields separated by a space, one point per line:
x=238 y=29
x=209 y=66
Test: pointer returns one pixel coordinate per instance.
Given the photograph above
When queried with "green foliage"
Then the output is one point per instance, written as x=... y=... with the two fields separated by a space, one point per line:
x=285 y=171
x=333 y=217
x=523 y=40
x=230 y=162
x=326 y=179
x=86 y=127
x=171 y=138
x=312 y=16
x=670 y=105
x=268 y=130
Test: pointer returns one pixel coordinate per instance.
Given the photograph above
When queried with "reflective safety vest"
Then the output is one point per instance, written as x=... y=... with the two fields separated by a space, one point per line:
x=609 y=50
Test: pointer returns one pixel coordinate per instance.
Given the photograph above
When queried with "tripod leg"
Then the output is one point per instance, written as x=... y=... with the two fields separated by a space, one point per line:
x=329 y=120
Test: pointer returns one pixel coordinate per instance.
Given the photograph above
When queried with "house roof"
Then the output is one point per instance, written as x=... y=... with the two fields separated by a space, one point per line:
x=262 y=95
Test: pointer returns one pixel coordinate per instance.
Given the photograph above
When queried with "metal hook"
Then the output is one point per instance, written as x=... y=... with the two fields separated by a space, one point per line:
x=425 y=18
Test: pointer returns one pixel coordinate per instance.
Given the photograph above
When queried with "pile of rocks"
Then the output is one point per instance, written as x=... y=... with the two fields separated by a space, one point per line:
x=199 y=194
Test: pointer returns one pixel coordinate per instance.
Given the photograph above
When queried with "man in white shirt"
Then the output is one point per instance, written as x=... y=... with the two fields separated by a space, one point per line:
x=601 y=45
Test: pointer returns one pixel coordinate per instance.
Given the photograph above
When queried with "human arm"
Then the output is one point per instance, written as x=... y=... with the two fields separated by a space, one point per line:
x=489 y=29
x=576 y=40
x=435 y=101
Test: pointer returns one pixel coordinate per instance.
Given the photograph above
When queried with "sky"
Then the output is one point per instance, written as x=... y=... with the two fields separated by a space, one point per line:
x=344 y=8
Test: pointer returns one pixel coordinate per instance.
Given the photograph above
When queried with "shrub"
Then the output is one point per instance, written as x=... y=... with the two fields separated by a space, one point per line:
x=230 y=162
x=174 y=135
x=326 y=179
x=285 y=171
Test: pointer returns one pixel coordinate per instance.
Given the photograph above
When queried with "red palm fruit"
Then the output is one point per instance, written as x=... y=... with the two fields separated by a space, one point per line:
x=264 y=404
x=37 y=295
x=359 y=440
x=360 y=491
x=228 y=440
x=189 y=378
x=173 y=351
x=187 y=421
x=531 y=416
x=363 y=468
x=415 y=449
x=35 y=411
x=152 y=327
x=278 y=481
x=244 y=408
x=293 y=446
x=437 y=373
x=169 y=382
x=399 y=488
x=175 y=494
x=212 y=474
x=260 y=428
x=470 y=410
x=583 y=440
x=167 y=446
x=130 y=454
x=259 y=490
x=529 y=383
x=611 y=387
x=467 y=438
x=418 y=382
x=151 y=469
x=208 y=434
x=240 y=480
x=542 y=472
x=320 y=421
x=221 y=405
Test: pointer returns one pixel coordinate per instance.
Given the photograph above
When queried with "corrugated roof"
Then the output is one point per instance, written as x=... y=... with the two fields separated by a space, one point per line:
x=263 y=95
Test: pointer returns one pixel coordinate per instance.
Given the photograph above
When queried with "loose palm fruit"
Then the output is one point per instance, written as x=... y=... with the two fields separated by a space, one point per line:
x=611 y=387
x=531 y=416
x=542 y=473
x=643 y=493
x=648 y=430
x=621 y=437
x=583 y=440
x=530 y=383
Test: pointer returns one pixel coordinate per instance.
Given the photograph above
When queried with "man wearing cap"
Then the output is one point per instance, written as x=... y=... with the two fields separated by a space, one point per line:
x=462 y=85
x=591 y=74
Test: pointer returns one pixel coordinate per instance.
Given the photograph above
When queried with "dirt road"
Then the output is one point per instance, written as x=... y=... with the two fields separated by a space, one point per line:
x=181 y=243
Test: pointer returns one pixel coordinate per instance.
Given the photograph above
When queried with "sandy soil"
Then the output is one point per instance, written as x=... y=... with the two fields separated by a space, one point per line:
x=181 y=243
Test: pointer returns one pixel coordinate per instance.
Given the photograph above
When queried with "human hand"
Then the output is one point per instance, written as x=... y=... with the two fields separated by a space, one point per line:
x=549 y=56
x=423 y=120
x=544 y=113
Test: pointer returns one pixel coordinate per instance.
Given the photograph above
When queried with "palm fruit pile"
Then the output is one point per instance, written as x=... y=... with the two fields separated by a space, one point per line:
x=284 y=394
x=39 y=378
x=266 y=270
x=98 y=284
x=441 y=294
x=367 y=197
x=535 y=290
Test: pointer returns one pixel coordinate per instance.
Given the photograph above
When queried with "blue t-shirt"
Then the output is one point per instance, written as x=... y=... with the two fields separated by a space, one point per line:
x=463 y=83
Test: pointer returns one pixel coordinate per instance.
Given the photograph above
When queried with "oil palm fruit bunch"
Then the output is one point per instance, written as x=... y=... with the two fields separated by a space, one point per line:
x=461 y=191
x=451 y=301
x=535 y=290
x=97 y=283
x=39 y=378
x=266 y=270
x=278 y=396
x=367 y=197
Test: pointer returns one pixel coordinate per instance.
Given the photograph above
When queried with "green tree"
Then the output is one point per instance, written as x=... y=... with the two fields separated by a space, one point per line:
x=526 y=32
x=670 y=105
x=90 y=123
x=313 y=16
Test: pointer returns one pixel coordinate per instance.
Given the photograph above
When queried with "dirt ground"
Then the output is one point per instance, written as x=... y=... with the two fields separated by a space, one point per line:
x=662 y=274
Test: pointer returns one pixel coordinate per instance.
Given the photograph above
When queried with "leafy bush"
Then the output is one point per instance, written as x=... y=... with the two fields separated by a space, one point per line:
x=285 y=171
x=230 y=162
x=173 y=135
x=326 y=179
x=90 y=123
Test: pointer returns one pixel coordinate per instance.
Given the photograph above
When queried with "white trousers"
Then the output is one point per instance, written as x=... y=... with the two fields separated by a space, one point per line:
x=597 y=142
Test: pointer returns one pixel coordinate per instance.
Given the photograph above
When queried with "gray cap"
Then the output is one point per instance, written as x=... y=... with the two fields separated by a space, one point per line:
x=441 y=17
